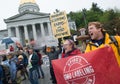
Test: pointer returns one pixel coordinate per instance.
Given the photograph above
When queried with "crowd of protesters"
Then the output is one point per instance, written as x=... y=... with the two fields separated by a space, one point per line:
x=21 y=64
x=26 y=62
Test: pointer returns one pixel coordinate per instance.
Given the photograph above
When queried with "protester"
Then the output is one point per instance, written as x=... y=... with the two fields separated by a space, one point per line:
x=99 y=38
x=11 y=48
x=52 y=54
x=1 y=74
x=26 y=51
x=19 y=46
x=40 y=64
x=6 y=70
x=20 y=72
x=25 y=59
x=69 y=49
x=33 y=67
x=21 y=66
x=11 y=63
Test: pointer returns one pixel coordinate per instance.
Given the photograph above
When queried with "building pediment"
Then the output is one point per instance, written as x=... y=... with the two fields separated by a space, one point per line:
x=26 y=16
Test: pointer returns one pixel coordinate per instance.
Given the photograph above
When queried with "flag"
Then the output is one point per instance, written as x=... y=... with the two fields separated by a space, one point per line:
x=95 y=67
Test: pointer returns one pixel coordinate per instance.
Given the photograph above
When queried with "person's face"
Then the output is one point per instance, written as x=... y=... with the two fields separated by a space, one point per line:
x=67 y=46
x=94 y=32
x=30 y=51
x=20 y=59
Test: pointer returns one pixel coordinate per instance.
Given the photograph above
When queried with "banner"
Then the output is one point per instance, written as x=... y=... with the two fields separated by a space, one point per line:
x=96 y=67
x=59 y=24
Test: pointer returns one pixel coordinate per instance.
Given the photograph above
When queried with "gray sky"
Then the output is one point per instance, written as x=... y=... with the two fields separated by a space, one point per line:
x=10 y=7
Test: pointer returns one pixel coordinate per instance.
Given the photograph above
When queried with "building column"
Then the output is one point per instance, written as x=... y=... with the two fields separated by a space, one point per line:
x=34 y=32
x=26 y=33
x=42 y=29
x=50 y=29
x=17 y=32
x=9 y=32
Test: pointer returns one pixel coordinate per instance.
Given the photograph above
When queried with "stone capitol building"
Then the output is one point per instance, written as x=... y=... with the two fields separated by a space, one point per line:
x=30 y=23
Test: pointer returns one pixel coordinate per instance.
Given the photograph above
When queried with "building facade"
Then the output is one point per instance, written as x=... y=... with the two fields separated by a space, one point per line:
x=3 y=33
x=31 y=24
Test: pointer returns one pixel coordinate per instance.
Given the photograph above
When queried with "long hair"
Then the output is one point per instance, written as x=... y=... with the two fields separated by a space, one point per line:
x=72 y=43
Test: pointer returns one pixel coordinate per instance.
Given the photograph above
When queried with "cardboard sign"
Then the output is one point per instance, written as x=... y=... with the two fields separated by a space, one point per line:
x=59 y=24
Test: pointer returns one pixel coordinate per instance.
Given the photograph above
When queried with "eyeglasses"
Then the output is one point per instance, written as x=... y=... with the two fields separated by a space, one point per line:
x=66 y=44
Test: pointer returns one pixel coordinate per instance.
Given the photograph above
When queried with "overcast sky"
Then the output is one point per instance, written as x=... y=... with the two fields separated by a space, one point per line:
x=10 y=7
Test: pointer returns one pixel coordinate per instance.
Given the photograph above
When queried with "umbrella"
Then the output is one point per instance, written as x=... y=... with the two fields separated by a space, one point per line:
x=7 y=40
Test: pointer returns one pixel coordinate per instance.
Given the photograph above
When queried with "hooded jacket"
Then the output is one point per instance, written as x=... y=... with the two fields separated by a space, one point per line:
x=107 y=41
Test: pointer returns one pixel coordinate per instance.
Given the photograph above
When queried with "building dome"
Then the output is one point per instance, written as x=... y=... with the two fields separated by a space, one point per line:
x=28 y=5
x=27 y=1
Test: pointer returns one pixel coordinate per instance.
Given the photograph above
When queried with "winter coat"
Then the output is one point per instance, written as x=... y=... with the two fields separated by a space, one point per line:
x=107 y=41
x=73 y=52
x=35 y=60
x=52 y=55
x=25 y=59
x=12 y=66
x=1 y=75
x=11 y=48
x=20 y=65
x=40 y=58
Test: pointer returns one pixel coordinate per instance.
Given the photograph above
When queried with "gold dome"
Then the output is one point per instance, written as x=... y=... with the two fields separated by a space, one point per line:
x=27 y=1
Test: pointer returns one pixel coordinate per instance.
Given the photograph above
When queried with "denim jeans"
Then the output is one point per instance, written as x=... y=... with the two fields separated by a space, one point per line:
x=41 y=71
x=1 y=82
x=33 y=76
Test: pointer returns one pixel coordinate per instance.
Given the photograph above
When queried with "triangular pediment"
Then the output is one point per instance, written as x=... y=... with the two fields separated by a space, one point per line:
x=26 y=16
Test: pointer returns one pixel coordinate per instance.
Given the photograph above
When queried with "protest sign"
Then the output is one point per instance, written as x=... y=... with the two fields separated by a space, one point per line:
x=59 y=24
x=96 y=67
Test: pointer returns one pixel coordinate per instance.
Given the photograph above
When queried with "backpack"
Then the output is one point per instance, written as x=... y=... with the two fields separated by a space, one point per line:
x=113 y=39
x=6 y=74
